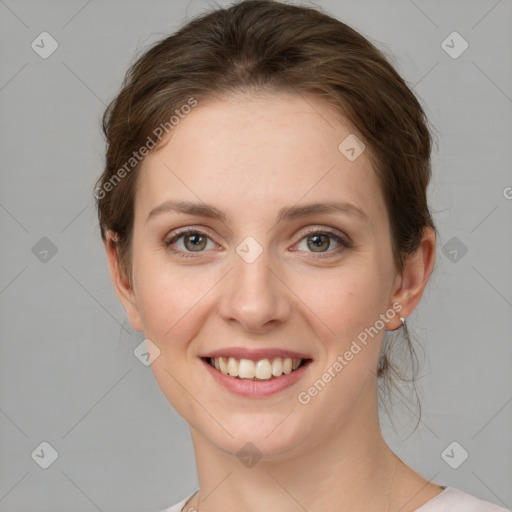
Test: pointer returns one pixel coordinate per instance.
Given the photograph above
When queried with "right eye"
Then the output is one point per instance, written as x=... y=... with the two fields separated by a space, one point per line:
x=189 y=240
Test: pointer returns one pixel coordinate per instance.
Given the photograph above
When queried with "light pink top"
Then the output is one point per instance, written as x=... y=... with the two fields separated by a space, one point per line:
x=449 y=500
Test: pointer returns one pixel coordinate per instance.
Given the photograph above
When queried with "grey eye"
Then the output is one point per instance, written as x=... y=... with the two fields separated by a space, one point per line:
x=318 y=242
x=196 y=242
x=191 y=241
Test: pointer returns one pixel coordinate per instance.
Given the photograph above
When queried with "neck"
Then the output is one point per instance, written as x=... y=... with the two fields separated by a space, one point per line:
x=352 y=469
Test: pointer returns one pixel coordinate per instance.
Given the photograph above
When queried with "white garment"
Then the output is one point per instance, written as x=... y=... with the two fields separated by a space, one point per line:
x=450 y=499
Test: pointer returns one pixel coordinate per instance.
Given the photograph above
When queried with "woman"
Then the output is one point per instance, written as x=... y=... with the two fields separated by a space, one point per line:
x=264 y=213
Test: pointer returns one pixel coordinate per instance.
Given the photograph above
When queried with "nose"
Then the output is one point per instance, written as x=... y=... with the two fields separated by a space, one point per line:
x=254 y=296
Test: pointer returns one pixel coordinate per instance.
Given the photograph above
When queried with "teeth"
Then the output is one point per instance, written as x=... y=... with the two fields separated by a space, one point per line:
x=263 y=369
x=277 y=367
x=232 y=367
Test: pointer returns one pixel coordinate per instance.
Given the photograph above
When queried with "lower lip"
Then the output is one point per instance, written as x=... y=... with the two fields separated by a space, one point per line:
x=256 y=388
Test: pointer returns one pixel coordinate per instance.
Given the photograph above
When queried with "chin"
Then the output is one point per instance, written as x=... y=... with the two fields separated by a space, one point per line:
x=262 y=436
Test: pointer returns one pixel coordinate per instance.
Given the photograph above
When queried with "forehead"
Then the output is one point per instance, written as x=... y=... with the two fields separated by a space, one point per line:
x=259 y=152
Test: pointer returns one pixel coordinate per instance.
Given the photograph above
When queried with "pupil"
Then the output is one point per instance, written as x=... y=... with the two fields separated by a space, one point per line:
x=197 y=242
x=319 y=242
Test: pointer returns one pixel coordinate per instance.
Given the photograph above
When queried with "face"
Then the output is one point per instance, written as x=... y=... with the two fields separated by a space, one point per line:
x=228 y=254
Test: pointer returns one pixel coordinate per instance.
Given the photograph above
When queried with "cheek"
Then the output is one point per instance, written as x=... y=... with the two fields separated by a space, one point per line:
x=347 y=303
x=346 y=299
x=172 y=300
x=173 y=304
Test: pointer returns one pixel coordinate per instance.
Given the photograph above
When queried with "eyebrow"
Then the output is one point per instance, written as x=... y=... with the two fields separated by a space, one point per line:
x=285 y=213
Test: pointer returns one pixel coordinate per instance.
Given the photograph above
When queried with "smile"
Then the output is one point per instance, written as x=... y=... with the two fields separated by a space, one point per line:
x=262 y=369
x=259 y=378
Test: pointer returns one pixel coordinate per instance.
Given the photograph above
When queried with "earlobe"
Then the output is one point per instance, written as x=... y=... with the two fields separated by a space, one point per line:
x=121 y=282
x=415 y=276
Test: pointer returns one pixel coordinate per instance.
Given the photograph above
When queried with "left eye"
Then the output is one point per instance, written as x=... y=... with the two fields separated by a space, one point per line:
x=320 y=241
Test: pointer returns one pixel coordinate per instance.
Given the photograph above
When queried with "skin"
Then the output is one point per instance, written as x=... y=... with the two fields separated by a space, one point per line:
x=250 y=156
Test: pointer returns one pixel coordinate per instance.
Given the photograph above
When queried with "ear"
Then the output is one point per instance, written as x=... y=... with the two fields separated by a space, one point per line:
x=411 y=283
x=121 y=282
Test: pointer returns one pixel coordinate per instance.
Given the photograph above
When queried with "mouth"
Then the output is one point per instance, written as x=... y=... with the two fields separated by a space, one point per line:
x=265 y=369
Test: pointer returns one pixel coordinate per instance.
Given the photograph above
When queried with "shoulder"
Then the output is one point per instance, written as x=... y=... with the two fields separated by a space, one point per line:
x=452 y=499
x=178 y=506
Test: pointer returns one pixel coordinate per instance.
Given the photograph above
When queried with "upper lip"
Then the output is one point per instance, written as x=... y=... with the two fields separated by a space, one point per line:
x=254 y=353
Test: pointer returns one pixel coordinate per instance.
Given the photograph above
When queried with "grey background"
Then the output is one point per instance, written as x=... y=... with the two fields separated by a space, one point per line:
x=68 y=375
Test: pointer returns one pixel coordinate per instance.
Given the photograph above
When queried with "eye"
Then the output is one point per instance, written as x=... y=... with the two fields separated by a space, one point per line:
x=321 y=241
x=190 y=240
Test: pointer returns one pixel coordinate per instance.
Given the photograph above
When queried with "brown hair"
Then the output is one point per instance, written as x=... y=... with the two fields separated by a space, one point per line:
x=262 y=46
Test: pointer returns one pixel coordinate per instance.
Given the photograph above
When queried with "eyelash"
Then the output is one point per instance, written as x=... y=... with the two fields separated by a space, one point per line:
x=344 y=243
